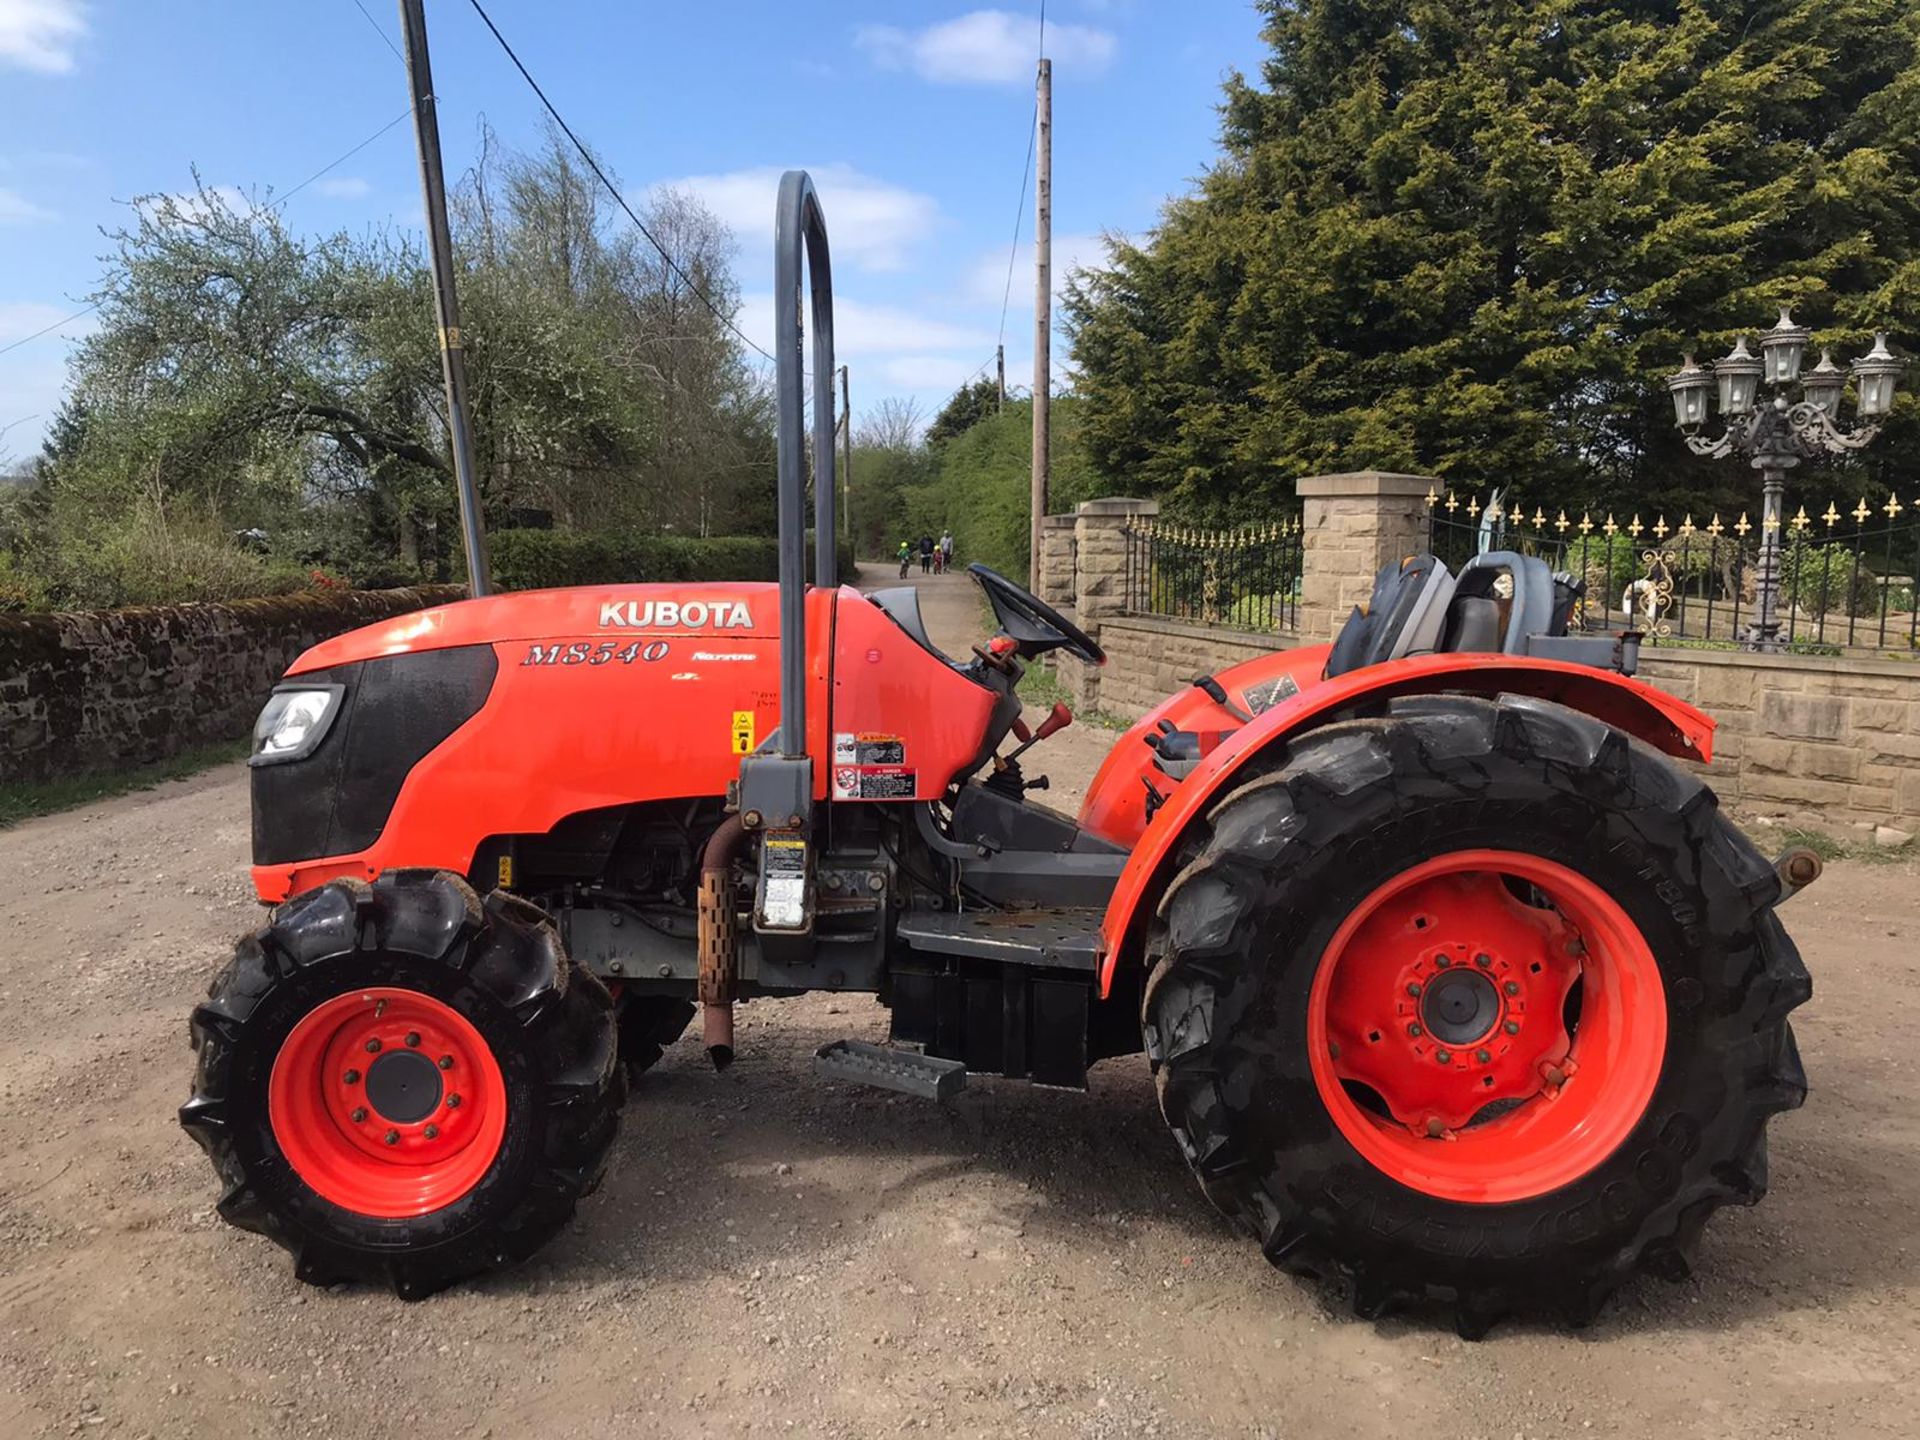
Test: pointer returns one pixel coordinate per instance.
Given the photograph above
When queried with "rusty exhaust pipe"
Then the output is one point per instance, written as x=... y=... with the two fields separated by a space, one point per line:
x=719 y=940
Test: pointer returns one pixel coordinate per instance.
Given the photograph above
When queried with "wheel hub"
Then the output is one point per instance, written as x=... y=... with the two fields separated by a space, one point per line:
x=404 y=1086
x=1460 y=1006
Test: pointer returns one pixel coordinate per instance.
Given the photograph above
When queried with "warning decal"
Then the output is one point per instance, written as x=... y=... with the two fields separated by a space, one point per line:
x=874 y=782
x=866 y=748
x=743 y=732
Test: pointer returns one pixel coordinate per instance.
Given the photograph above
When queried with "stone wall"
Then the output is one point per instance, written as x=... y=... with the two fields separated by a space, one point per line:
x=108 y=689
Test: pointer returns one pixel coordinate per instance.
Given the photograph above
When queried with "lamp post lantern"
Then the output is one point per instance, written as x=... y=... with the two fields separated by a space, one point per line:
x=1775 y=434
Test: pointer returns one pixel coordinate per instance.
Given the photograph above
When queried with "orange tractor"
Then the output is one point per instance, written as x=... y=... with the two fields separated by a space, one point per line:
x=1455 y=986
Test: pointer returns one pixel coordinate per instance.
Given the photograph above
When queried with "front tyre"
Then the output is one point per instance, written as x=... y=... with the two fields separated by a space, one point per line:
x=403 y=1084
x=1479 y=1002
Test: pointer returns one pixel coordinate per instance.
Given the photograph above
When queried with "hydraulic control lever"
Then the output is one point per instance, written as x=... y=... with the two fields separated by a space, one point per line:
x=1217 y=693
x=1057 y=720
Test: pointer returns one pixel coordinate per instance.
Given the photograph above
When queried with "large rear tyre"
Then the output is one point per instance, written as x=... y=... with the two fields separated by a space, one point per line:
x=400 y=1083
x=1478 y=1003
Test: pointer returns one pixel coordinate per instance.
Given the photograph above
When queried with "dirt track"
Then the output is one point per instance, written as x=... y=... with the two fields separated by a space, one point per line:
x=778 y=1255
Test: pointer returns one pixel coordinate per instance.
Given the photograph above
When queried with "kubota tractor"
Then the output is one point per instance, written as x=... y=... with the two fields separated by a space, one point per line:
x=1456 y=987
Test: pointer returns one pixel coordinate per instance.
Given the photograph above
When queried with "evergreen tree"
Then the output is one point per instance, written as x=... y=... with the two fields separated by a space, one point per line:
x=1470 y=238
x=966 y=408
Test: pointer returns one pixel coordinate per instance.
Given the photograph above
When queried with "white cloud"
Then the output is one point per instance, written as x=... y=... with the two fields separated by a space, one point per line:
x=15 y=208
x=874 y=225
x=21 y=318
x=343 y=187
x=944 y=373
x=985 y=47
x=863 y=330
x=987 y=278
x=40 y=34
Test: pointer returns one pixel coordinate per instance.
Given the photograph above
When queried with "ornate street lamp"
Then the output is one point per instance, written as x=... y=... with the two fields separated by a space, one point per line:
x=1777 y=434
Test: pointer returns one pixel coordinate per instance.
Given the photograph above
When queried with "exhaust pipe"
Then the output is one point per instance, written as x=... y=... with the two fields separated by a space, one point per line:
x=719 y=946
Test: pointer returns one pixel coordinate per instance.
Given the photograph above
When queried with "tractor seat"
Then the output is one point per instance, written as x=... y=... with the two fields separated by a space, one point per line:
x=1418 y=607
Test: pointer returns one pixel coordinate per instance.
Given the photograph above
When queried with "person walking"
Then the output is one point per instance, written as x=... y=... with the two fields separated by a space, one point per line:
x=926 y=554
x=946 y=550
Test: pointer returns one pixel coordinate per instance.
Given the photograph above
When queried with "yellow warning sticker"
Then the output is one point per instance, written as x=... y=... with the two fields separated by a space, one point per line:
x=506 y=872
x=743 y=732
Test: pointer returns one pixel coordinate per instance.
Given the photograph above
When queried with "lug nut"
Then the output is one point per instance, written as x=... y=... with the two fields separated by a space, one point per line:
x=1485 y=1057
x=373 y=1047
x=1443 y=961
x=352 y=1077
x=1434 y=1128
x=413 y=1039
x=1415 y=1031
x=432 y=1132
x=359 y=1116
x=1445 y=1057
x=1414 y=990
x=453 y=1102
x=446 y=1062
x=1512 y=1027
x=1512 y=987
x=1485 y=962
x=393 y=1137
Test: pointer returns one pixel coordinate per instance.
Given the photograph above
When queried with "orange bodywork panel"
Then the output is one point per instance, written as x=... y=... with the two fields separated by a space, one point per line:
x=1115 y=805
x=615 y=694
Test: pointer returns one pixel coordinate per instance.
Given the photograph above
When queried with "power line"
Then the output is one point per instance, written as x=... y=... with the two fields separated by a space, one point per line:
x=1020 y=209
x=331 y=165
x=601 y=175
x=378 y=29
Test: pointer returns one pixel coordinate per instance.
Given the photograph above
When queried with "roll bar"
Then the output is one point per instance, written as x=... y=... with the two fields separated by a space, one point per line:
x=776 y=790
x=799 y=222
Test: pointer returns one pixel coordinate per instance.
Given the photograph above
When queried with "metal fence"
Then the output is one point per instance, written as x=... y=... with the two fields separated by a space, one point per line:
x=1246 y=579
x=1843 y=586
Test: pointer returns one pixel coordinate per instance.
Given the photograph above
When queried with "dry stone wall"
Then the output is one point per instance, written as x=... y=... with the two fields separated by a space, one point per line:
x=110 y=689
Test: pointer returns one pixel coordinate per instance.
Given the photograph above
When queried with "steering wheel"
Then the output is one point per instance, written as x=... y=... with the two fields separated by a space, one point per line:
x=1036 y=625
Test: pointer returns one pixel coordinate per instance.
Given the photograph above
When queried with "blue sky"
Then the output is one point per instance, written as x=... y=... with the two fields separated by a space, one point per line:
x=913 y=116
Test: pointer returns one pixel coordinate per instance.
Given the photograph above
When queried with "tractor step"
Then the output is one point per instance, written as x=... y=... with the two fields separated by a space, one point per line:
x=907 y=1071
x=1052 y=939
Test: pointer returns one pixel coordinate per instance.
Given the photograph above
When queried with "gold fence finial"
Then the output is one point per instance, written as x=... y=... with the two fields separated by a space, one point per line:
x=1743 y=527
x=1861 y=511
x=1832 y=517
x=1801 y=519
x=1893 y=506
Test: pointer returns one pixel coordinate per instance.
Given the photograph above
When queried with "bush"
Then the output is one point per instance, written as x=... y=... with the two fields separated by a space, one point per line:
x=1828 y=577
x=547 y=559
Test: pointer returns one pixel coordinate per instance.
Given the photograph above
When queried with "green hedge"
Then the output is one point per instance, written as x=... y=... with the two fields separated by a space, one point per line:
x=544 y=559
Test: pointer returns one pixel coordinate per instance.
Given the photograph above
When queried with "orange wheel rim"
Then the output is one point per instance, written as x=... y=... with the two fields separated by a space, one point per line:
x=387 y=1102
x=1479 y=1047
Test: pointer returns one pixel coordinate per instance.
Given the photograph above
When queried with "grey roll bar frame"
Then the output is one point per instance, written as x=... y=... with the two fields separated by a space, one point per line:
x=777 y=790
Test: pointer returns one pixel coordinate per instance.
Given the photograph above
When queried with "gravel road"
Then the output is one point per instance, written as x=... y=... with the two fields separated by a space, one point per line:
x=777 y=1255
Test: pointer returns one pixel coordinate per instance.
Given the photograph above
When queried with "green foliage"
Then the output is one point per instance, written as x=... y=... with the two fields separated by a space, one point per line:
x=967 y=407
x=546 y=559
x=1829 y=578
x=1470 y=239
x=979 y=485
x=273 y=402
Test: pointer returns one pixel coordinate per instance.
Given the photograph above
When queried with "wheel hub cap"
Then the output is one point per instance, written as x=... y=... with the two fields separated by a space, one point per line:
x=404 y=1086
x=1460 y=1007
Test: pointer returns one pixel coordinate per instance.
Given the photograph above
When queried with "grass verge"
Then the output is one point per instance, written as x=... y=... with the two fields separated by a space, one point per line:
x=1040 y=688
x=1827 y=847
x=25 y=799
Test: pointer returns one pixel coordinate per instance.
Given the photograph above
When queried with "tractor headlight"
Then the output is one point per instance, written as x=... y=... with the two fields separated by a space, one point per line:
x=295 y=721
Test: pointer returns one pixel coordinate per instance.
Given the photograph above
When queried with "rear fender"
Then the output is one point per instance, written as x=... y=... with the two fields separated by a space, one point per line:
x=1663 y=721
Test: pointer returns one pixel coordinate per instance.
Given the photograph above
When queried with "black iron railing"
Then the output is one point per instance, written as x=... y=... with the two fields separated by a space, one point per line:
x=1842 y=586
x=1247 y=578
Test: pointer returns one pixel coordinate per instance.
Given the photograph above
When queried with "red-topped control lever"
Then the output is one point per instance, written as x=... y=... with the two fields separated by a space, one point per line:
x=1057 y=720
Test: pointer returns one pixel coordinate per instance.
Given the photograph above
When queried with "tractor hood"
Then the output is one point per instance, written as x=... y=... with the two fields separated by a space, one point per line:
x=585 y=614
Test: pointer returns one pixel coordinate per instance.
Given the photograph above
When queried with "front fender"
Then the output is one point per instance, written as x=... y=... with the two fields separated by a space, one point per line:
x=1663 y=721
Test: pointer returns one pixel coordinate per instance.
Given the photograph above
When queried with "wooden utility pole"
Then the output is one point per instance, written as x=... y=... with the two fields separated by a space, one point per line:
x=1000 y=376
x=453 y=361
x=1042 y=316
x=846 y=457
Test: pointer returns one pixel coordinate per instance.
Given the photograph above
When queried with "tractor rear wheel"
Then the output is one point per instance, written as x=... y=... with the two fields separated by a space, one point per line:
x=401 y=1083
x=1478 y=1002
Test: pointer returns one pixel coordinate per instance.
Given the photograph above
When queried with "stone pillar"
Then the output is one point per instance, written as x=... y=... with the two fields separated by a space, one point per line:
x=1056 y=560
x=1353 y=525
x=1099 y=582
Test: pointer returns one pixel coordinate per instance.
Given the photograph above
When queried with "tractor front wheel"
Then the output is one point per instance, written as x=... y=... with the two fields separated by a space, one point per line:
x=403 y=1084
x=1478 y=1002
